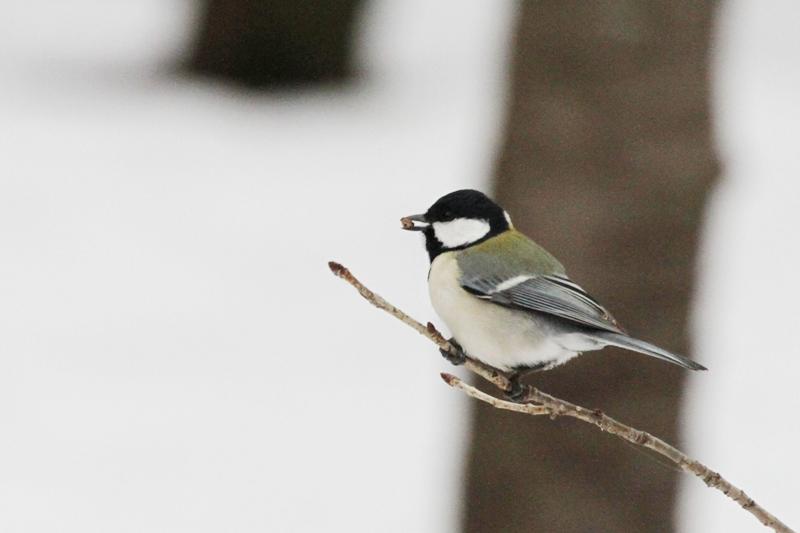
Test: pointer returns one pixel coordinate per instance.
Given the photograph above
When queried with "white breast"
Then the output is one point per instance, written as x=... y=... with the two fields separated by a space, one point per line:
x=496 y=335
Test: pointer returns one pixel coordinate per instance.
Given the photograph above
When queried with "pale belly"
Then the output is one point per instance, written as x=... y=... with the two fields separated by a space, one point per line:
x=496 y=335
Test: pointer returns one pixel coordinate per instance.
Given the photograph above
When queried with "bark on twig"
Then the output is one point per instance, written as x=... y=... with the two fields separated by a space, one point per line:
x=536 y=402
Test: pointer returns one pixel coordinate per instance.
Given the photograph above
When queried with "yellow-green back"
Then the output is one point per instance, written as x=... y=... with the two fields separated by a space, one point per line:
x=507 y=255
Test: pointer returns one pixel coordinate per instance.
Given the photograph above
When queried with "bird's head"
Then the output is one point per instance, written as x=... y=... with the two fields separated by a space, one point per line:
x=458 y=220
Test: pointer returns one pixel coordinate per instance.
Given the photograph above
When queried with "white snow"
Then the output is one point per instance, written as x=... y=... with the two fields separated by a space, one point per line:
x=174 y=354
x=742 y=415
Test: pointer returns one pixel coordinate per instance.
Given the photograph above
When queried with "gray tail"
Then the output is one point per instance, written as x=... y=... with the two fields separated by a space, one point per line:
x=646 y=348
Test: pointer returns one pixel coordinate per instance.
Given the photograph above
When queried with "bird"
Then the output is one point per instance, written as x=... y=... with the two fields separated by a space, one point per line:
x=507 y=301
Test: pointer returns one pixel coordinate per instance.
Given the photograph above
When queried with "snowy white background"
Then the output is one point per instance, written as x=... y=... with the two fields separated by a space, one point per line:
x=174 y=355
x=743 y=414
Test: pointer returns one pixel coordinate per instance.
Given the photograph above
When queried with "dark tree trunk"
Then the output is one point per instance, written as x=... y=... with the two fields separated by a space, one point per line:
x=273 y=43
x=607 y=163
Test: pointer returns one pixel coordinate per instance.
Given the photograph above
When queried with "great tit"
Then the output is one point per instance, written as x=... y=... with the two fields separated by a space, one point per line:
x=506 y=300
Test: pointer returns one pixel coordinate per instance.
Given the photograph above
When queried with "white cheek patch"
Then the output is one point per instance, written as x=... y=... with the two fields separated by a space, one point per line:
x=460 y=231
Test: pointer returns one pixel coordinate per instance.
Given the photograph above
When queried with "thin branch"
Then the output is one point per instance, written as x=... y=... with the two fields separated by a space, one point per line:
x=554 y=407
x=486 y=372
x=469 y=390
x=536 y=402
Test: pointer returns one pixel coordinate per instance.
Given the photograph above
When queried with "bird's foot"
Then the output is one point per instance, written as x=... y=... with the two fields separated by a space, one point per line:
x=456 y=356
x=516 y=391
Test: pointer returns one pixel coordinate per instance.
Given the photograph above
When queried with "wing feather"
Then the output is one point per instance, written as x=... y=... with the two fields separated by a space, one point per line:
x=546 y=294
x=529 y=278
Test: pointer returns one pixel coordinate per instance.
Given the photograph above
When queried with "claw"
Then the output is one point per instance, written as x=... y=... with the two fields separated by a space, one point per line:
x=516 y=393
x=457 y=358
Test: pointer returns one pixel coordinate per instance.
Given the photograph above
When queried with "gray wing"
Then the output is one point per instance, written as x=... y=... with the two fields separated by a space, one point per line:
x=551 y=294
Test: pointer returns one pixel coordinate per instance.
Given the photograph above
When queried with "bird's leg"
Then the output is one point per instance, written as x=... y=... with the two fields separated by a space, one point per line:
x=457 y=358
x=516 y=391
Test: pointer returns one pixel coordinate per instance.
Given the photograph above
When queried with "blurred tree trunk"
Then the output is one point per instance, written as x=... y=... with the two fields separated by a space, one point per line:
x=607 y=163
x=265 y=43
